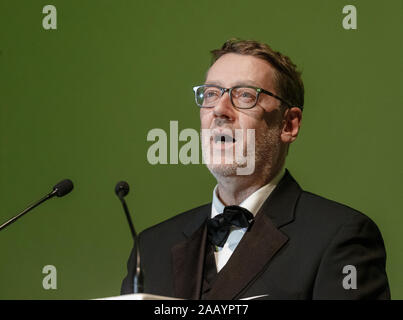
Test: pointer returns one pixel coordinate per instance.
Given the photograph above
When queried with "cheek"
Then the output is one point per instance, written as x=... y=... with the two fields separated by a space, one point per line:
x=252 y=121
x=251 y=118
x=260 y=128
x=205 y=118
x=273 y=119
x=251 y=130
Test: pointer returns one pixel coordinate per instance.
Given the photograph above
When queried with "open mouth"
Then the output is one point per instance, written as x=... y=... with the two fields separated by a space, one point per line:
x=224 y=138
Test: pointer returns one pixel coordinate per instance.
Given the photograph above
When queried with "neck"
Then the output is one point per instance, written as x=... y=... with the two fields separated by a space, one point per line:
x=233 y=190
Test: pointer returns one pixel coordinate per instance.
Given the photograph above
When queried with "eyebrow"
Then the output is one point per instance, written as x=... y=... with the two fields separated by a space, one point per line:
x=240 y=83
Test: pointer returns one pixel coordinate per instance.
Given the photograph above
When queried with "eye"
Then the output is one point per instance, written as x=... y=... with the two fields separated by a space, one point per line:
x=211 y=93
x=245 y=94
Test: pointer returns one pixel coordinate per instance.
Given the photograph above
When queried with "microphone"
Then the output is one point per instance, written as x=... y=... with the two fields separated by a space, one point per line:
x=122 y=189
x=60 y=190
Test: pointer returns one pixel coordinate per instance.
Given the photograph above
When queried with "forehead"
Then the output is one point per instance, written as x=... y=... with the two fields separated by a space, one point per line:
x=233 y=69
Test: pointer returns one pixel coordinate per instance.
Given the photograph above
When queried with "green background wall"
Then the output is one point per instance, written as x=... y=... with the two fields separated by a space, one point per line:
x=78 y=102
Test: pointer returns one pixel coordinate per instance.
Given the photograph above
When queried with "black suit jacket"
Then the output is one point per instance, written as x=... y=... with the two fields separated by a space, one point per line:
x=296 y=249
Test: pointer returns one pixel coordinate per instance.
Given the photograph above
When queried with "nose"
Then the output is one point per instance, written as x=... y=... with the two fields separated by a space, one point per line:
x=224 y=107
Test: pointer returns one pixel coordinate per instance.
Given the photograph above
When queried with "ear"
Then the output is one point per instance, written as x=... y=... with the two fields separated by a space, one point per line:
x=291 y=123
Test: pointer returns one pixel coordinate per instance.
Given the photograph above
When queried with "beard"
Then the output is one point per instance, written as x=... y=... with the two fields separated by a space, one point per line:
x=266 y=155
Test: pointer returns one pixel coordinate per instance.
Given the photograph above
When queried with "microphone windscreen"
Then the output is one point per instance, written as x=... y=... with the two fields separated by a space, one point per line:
x=122 y=189
x=63 y=187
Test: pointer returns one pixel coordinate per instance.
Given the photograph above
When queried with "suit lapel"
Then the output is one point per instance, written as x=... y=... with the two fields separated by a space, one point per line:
x=243 y=266
x=263 y=238
x=280 y=205
x=188 y=257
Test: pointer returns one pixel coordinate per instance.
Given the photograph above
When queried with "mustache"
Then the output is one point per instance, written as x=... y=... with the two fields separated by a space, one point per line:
x=219 y=123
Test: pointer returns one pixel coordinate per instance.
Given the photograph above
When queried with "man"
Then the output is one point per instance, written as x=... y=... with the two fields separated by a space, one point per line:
x=262 y=236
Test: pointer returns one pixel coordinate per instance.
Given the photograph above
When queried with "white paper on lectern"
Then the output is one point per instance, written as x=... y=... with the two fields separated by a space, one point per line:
x=138 y=296
x=146 y=296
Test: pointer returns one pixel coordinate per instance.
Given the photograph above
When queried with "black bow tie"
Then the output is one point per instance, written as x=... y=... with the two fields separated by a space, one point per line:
x=219 y=227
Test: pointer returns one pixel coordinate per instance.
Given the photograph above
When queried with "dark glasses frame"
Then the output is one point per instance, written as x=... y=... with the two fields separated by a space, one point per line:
x=229 y=90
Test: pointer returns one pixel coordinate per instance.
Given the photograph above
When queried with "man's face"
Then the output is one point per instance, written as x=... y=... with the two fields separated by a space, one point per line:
x=265 y=118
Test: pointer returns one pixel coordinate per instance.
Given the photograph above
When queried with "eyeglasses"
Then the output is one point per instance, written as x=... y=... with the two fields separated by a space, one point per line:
x=242 y=97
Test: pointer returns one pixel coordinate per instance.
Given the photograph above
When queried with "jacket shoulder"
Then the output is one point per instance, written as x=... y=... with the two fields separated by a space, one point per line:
x=329 y=210
x=327 y=217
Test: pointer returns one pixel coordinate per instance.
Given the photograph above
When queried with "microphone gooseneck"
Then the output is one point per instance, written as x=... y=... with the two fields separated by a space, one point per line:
x=60 y=190
x=121 y=190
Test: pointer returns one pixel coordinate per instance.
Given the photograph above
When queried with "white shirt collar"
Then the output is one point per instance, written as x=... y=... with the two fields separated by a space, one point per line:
x=252 y=203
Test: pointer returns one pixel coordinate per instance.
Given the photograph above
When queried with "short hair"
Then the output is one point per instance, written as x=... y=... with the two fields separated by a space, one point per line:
x=288 y=82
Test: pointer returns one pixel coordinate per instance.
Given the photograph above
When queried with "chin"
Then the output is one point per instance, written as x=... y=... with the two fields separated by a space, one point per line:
x=223 y=170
